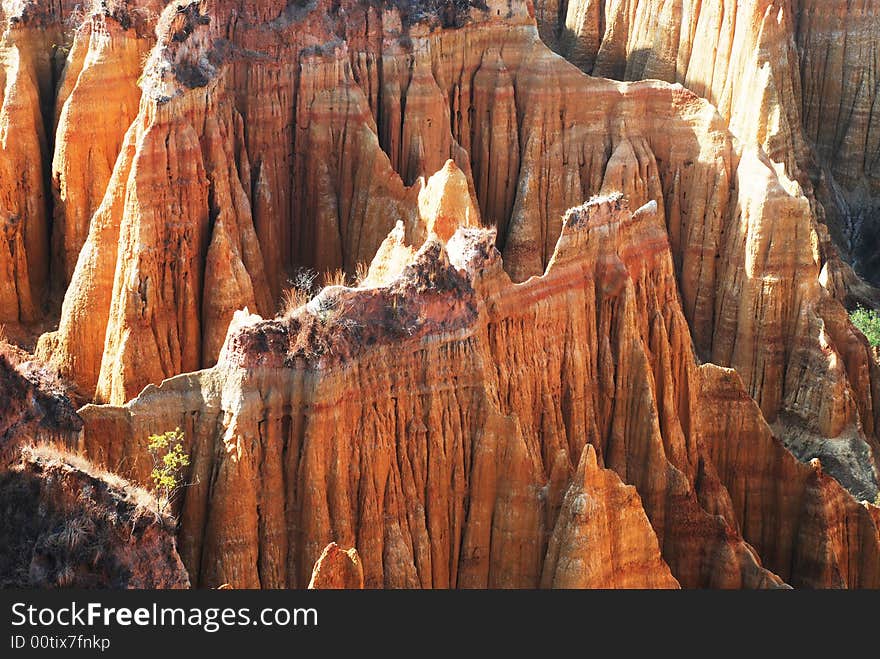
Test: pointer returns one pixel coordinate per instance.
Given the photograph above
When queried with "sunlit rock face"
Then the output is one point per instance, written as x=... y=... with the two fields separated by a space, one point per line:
x=554 y=433
x=598 y=334
x=796 y=77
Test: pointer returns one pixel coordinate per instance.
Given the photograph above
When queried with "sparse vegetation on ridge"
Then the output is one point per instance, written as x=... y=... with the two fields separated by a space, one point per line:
x=302 y=287
x=66 y=522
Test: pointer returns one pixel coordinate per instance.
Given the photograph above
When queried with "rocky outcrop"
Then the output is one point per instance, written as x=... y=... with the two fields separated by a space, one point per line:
x=271 y=136
x=744 y=241
x=137 y=314
x=445 y=203
x=35 y=39
x=478 y=463
x=586 y=552
x=337 y=569
x=65 y=525
x=802 y=522
x=498 y=463
x=97 y=100
x=771 y=260
x=64 y=522
x=778 y=71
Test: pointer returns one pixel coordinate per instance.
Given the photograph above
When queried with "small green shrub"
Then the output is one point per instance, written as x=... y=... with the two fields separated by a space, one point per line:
x=868 y=321
x=169 y=463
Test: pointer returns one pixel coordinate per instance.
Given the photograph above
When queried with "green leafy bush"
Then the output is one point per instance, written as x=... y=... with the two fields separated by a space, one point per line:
x=868 y=321
x=169 y=463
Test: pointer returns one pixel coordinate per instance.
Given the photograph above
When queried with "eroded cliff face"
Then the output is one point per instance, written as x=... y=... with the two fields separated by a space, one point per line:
x=779 y=71
x=846 y=133
x=68 y=72
x=26 y=78
x=177 y=209
x=268 y=137
x=264 y=172
x=463 y=430
x=96 y=101
x=761 y=477
x=738 y=55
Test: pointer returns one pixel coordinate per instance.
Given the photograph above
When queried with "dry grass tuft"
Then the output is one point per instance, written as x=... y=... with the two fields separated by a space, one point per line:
x=361 y=273
x=54 y=455
x=335 y=278
x=292 y=299
x=301 y=290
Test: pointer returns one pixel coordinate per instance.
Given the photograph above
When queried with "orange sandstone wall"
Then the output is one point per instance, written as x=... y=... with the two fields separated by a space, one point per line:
x=453 y=425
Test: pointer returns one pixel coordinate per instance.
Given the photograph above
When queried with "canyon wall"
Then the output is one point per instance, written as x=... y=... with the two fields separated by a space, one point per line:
x=233 y=174
x=27 y=74
x=96 y=101
x=489 y=398
x=797 y=77
x=460 y=429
